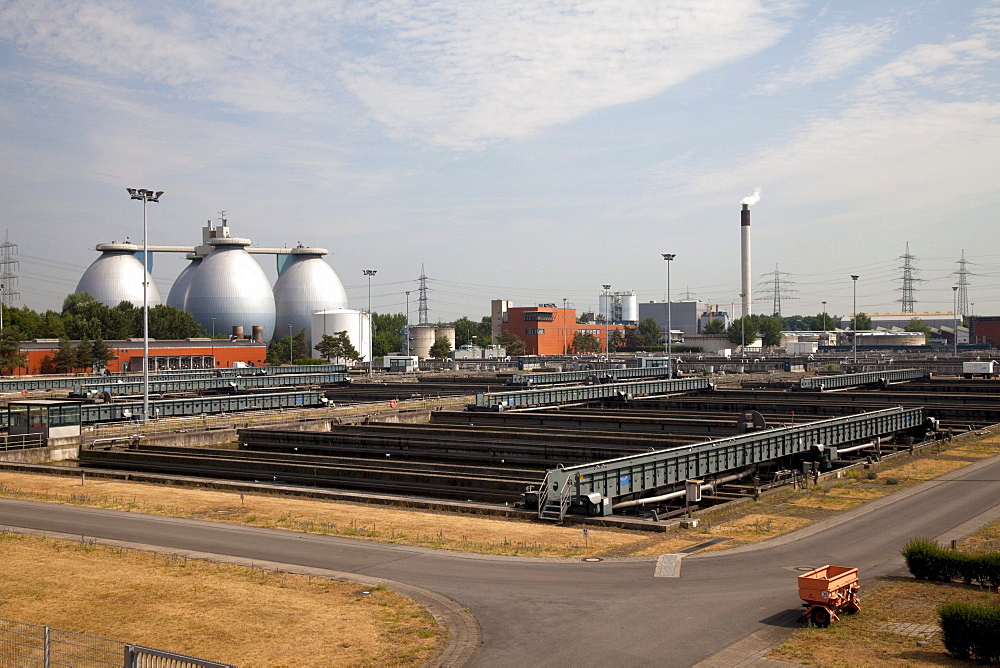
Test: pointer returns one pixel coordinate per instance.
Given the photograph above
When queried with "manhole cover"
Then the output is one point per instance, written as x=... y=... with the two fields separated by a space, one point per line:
x=804 y=569
x=592 y=559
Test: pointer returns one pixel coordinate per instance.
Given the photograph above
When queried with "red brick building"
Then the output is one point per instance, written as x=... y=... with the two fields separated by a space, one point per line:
x=163 y=355
x=984 y=329
x=547 y=330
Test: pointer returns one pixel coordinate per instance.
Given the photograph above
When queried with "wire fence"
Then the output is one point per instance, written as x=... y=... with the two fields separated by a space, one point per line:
x=36 y=646
x=117 y=431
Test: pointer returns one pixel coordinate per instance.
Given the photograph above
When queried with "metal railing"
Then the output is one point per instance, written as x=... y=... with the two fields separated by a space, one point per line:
x=599 y=375
x=857 y=379
x=21 y=441
x=265 y=418
x=576 y=393
x=37 y=646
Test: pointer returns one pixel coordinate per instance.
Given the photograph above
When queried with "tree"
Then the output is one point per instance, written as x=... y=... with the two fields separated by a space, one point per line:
x=468 y=331
x=918 y=326
x=513 y=344
x=168 y=322
x=586 y=343
x=441 y=348
x=795 y=323
x=11 y=356
x=823 y=322
x=769 y=328
x=100 y=353
x=388 y=336
x=649 y=333
x=337 y=347
x=84 y=354
x=715 y=327
x=64 y=359
x=616 y=340
x=743 y=330
x=864 y=322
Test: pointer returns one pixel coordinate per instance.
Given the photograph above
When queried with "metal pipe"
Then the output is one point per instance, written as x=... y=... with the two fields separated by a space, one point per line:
x=855 y=448
x=707 y=487
x=745 y=258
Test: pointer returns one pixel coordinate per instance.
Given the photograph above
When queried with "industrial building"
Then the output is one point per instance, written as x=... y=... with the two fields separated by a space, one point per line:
x=688 y=317
x=547 y=329
x=985 y=330
x=223 y=287
x=163 y=355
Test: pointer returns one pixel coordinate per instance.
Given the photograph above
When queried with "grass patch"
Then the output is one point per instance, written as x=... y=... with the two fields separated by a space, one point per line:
x=216 y=611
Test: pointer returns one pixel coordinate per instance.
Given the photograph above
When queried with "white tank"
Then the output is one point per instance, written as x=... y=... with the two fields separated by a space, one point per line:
x=231 y=287
x=630 y=307
x=606 y=307
x=357 y=324
x=177 y=297
x=117 y=277
x=306 y=286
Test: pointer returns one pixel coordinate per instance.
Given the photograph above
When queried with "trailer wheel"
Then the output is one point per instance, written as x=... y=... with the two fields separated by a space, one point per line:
x=593 y=509
x=821 y=617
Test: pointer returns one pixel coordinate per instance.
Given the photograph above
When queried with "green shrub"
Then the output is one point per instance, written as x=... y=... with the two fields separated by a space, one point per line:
x=872 y=475
x=892 y=481
x=929 y=561
x=971 y=631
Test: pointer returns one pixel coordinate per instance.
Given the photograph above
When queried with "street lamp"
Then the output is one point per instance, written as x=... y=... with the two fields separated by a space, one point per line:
x=369 y=273
x=213 y=343
x=291 y=346
x=954 y=313
x=854 y=326
x=564 y=327
x=145 y=195
x=607 y=317
x=670 y=369
x=824 y=320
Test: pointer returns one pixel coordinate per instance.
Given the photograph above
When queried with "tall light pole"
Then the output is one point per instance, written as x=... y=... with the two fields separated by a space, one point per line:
x=291 y=345
x=854 y=325
x=213 y=343
x=607 y=317
x=369 y=273
x=824 y=320
x=670 y=368
x=145 y=195
x=954 y=313
x=407 y=323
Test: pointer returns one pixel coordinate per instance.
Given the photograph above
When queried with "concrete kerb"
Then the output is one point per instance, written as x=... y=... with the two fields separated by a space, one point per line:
x=462 y=631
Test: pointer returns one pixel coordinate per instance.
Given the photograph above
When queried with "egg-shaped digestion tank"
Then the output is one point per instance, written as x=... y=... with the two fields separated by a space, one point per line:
x=117 y=276
x=306 y=285
x=177 y=297
x=231 y=287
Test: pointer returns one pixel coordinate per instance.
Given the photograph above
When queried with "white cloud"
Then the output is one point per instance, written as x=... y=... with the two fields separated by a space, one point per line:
x=464 y=74
x=940 y=65
x=834 y=50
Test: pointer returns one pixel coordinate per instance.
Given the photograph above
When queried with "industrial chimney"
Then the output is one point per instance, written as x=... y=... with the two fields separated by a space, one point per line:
x=745 y=257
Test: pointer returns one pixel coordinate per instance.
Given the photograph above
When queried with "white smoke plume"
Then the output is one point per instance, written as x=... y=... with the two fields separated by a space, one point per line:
x=750 y=200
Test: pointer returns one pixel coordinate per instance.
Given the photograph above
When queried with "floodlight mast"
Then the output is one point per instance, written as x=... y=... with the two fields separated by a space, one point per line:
x=145 y=195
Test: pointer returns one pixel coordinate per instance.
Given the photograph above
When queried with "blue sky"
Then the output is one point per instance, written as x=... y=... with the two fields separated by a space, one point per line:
x=531 y=151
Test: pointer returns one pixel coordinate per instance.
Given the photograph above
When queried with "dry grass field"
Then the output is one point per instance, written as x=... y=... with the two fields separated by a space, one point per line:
x=233 y=614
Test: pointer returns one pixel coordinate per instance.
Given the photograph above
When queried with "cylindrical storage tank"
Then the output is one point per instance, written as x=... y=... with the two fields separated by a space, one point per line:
x=177 y=297
x=238 y=331
x=231 y=287
x=606 y=307
x=445 y=333
x=307 y=285
x=630 y=307
x=421 y=339
x=357 y=324
x=257 y=334
x=117 y=277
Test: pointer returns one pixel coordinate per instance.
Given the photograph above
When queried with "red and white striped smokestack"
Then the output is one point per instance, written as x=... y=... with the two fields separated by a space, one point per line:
x=745 y=257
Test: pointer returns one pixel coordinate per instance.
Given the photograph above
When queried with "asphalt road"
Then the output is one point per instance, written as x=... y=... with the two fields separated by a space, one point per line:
x=560 y=612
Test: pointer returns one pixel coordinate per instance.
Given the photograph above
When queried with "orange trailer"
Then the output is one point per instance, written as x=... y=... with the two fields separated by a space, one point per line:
x=827 y=591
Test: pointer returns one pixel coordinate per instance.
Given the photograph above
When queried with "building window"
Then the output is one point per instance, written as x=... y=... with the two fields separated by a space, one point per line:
x=534 y=331
x=539 y=316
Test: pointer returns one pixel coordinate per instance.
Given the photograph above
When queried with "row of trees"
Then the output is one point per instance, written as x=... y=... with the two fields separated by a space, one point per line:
x=83 y=317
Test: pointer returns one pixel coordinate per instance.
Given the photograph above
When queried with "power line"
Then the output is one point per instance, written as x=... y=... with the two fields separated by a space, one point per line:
x=909 y=278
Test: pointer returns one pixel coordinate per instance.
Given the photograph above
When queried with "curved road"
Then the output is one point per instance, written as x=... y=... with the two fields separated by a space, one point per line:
x=561 y=612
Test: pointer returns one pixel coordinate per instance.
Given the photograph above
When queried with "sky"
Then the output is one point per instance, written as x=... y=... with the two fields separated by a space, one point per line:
x=523 y=150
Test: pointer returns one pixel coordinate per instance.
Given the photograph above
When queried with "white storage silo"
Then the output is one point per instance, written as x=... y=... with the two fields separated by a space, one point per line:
x=357 y=324
x=630 y=307
x=232 y=288
x=606 y=306
x=117 y=276
x=306 y=286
